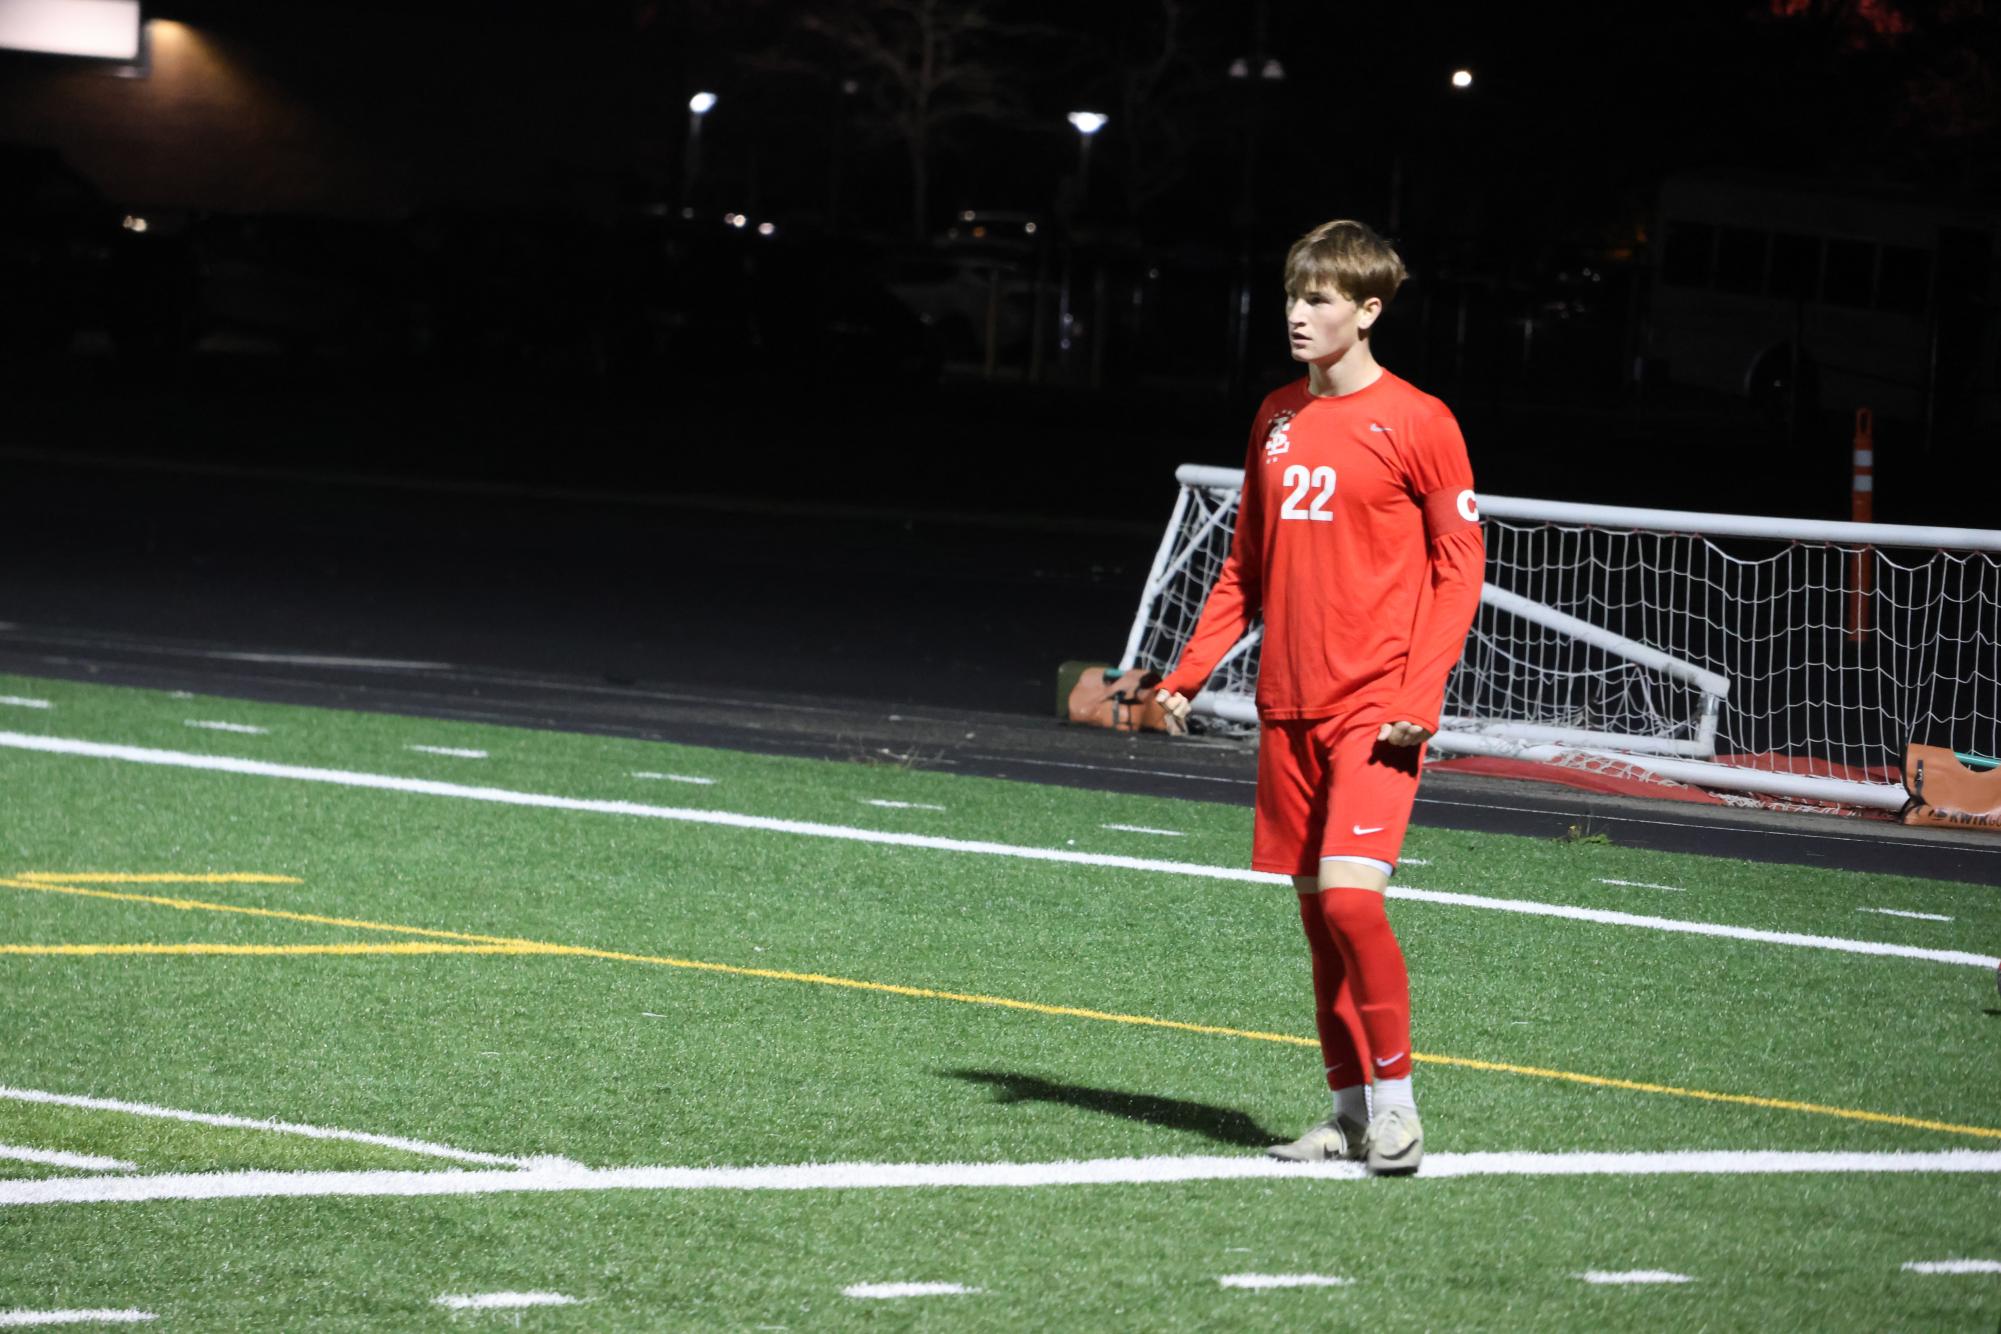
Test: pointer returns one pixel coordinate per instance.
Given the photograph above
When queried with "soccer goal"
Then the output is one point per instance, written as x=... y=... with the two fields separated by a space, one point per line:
x=1786 y=657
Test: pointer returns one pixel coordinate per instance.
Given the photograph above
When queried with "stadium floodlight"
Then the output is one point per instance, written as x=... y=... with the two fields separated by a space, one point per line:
x=95 y=29
x=702 y=103
x=1088 y=123
x=1462 y=79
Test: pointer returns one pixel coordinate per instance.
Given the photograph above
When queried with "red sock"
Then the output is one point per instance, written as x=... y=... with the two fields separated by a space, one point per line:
x=1360 y=930
x=1342 y=1046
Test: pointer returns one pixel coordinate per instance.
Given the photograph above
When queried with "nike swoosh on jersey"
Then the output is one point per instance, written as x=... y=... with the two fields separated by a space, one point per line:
x=1372 y=829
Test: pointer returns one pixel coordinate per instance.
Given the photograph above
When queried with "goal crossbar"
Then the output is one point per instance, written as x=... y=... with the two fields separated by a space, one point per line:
x=1769 y=527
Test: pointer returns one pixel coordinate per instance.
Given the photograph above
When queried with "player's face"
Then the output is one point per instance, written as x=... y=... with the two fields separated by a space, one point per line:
x=1323 y=325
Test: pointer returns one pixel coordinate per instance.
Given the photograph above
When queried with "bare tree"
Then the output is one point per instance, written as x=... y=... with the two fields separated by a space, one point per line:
x=1939 y=69
x=922 y=68
x=1154 y=74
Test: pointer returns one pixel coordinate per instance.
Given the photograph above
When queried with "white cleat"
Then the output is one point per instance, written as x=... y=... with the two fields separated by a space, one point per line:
x=1337 y=1139
x=1394 y=1144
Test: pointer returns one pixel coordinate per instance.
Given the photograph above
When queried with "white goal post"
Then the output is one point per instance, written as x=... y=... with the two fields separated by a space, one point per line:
x=1789 y=657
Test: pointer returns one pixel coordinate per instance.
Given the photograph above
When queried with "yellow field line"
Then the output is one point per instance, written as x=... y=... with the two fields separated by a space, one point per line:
x=199 y=905
x=124 y=878
x=963 y=997
x=1704 y=1095
x=337 y=947
x=478 y=944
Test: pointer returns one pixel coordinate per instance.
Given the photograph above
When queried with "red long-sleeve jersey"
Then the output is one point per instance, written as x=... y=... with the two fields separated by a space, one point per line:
x=1358 y=539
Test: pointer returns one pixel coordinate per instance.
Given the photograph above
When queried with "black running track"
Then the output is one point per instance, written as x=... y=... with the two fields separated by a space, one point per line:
x=788 y=628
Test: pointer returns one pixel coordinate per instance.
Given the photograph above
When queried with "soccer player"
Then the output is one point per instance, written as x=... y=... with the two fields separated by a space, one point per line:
x=1358 y=539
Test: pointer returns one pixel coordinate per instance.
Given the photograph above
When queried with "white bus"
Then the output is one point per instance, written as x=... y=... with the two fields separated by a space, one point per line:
x=1816 y=296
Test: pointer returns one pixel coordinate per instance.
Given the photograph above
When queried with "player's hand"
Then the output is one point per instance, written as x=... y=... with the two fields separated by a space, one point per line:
x=1175 y=705
x=1403 y=734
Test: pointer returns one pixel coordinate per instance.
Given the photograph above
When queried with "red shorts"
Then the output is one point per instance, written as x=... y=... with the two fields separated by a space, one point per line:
x=1328 y=788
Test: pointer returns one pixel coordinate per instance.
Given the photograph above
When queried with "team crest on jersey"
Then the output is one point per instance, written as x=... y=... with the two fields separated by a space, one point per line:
x=1276 y=439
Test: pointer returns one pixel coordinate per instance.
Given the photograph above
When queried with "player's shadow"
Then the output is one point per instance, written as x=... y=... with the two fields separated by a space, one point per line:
x=1225 y=1125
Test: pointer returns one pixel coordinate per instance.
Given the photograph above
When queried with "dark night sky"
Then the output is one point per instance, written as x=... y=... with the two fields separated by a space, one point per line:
x=426 y=116
x=1577 y=108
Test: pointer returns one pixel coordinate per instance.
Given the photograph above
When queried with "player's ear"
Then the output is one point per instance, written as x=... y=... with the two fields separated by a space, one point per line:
x=1366 y=313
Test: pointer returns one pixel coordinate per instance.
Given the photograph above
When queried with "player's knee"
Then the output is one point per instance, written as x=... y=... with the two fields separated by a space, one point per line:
x=1311 y=917
x=1352 y=910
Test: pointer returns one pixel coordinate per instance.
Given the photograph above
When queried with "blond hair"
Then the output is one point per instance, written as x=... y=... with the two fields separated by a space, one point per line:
x=1347 y=256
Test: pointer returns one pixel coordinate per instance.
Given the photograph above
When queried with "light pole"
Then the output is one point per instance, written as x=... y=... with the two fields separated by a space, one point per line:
x=699 y=106
x=1087 y=123
x=1269 y=71
x=836 y=149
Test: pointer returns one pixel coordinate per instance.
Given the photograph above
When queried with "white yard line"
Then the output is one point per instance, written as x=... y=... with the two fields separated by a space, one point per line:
x=212 y=725
x=459 y=752
x=1142 y=829
x=416 y=1146
x=808 y=829
x=76 y=1317
x=678 y=778
x=886 y=1291
x=889 y=805
x=549 y=1177
x=1953 y=1266
x=1116 y=769
x=501 y=1301
x=1633 y=1276
x=1643 y=884
x=1898 y=912
x=1265 y=1282
x=58 y=1158
x=23 y=702
x=327 y=660
x=1799 y=939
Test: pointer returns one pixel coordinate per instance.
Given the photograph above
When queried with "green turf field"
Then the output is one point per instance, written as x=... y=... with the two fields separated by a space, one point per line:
x=472 y=1005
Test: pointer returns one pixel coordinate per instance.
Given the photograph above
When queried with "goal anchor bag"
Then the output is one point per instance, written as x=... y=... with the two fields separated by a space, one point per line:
x=1101 y=696
x=1945 y=790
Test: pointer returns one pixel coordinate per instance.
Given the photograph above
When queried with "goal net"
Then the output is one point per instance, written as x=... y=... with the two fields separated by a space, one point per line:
x=1786 y=657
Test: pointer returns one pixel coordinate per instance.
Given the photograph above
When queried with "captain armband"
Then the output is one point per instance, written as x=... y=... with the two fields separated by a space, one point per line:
x=1450 y=511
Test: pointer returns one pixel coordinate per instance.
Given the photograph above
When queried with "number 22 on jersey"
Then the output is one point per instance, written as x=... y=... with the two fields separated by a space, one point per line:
x=1301 y=481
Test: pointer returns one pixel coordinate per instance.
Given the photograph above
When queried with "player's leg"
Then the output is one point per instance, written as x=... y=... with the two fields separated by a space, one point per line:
x=1372 y=791
x=1343 y=1043
x=1291 y=807
x=1351 y=905
x=1342 y=1052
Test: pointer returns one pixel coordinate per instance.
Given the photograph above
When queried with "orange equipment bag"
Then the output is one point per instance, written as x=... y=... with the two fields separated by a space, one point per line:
x=1101 y=696
x=1945 y=790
